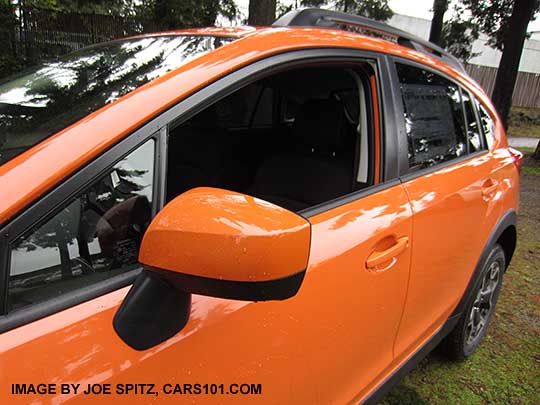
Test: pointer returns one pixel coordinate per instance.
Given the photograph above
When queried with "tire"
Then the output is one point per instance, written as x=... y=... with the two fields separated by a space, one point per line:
x=473 y=323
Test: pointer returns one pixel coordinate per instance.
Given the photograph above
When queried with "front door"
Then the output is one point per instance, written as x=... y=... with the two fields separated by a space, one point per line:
x=331 y=343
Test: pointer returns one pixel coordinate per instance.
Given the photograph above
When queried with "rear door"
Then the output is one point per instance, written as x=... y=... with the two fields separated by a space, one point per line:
x=447 y=174
x=332 y=342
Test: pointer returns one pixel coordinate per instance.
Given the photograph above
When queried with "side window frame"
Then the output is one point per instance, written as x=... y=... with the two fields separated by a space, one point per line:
x=404 y=172
x=47 y=206
x=387 y=169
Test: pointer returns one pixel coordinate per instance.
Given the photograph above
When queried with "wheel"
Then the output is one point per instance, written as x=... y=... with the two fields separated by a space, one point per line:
x=473 y=323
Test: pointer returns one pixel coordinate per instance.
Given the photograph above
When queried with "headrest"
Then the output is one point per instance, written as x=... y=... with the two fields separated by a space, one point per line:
x=319 y=126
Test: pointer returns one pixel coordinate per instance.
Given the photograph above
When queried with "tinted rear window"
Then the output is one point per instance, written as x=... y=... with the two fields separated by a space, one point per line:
x=434 y=117
x=48 y=98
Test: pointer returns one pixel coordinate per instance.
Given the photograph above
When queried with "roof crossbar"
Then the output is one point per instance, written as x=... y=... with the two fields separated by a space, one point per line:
x=315 y=17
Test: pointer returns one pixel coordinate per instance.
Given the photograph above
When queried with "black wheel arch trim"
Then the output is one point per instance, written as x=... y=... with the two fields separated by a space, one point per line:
x=508 y=220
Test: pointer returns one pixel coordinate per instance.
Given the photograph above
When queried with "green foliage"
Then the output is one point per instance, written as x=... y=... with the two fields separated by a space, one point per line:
x=9 y=63
x=376 y=9
x=168 y=13
x=492 y=17
x=524 y=122
x=48 y=4
x=533 y=171
x=458 y=35
x=173 y=14
x=110 y=7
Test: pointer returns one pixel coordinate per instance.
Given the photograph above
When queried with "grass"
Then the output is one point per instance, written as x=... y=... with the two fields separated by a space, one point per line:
x=526 y=151
x=531 y=170
x=506 y=367
x=524 y=122
x=524 y=131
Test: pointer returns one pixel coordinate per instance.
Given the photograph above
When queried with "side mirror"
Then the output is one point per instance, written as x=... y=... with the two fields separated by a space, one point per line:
x=211 y=242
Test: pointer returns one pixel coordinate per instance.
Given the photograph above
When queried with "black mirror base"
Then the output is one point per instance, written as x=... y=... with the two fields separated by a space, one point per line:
x=152 y=312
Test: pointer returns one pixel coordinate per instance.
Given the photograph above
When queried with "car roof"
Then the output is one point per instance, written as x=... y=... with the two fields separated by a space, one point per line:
x=29 y=175
x=233 y=32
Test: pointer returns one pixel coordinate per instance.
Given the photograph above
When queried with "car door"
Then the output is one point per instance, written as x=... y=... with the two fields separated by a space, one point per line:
x=453 y=193
x=339 y=329
x=331 y=343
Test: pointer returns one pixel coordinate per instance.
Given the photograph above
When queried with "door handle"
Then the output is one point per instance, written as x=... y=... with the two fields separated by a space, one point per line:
x=489 y=187
x=377 y=258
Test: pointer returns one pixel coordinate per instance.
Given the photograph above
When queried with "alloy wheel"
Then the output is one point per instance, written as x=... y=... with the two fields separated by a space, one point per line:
x=484 y=303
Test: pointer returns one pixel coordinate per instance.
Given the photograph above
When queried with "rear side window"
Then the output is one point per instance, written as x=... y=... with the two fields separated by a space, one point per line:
x=434 y=117
x=487 y=124
x=93 y=237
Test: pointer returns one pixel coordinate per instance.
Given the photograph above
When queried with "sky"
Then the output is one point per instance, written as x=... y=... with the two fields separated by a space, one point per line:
x=414 y=8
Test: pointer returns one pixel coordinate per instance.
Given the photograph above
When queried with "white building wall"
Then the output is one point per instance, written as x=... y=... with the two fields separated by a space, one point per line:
x=530 y=59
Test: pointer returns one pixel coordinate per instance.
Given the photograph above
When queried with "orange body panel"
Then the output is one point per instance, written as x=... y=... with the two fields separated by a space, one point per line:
x=234 y=32
x=345 y=341
x=444 y=256
x=316 y=347
x=215 y=230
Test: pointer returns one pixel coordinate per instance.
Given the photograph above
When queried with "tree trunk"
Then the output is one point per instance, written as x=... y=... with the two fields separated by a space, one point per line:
x=536 y=153
x=512 y=50
x=439 y=8
x=262 y=12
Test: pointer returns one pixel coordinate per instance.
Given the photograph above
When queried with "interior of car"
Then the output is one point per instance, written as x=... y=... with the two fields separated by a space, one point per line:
x=297 y=138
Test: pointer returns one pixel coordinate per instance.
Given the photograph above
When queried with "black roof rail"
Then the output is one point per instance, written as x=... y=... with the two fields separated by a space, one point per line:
x=316 y=17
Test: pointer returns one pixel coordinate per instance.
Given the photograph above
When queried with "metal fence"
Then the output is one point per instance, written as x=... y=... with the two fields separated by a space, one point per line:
x=43 y=33
x=527 y=89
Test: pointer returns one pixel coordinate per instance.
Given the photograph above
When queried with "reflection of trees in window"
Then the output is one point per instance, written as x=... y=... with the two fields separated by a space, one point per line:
x=98 y=232
x=78 y=222
x=41 y=102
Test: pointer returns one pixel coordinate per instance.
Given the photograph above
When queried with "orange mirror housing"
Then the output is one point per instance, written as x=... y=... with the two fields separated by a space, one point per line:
x=211 y=242
x=222 y=243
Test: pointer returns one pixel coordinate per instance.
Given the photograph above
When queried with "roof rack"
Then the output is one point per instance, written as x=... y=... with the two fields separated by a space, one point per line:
x=316 y=17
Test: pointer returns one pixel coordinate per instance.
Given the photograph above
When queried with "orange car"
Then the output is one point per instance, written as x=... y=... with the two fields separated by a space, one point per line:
x=292 y=214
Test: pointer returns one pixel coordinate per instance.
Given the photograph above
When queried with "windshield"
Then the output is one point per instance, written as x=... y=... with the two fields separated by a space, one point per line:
x=48 y=98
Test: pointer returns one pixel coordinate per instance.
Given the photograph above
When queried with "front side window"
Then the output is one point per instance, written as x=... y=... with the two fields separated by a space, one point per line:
x=434 y=117
x=319 y=153
x=93 y=237
x=51 y=96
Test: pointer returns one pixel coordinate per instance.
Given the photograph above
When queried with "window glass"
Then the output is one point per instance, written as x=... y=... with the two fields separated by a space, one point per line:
x=51 y=96
x=351 y=104
x=235 y=111
x=93 y=237
x=473 y=133
x=434 y=117
x=289 y=109
x=488 y=126
x=263 y=114
x=311 y=160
